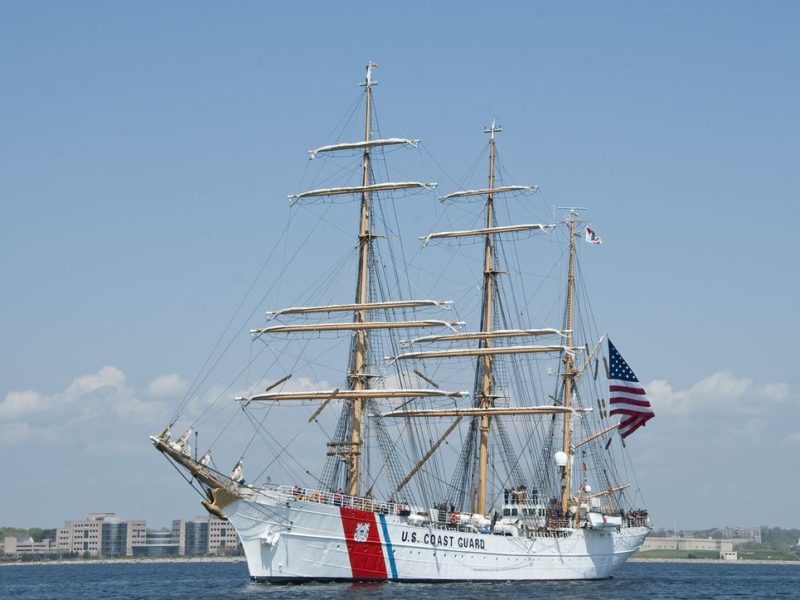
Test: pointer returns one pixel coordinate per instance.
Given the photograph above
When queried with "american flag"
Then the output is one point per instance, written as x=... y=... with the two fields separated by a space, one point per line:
x=626 y=395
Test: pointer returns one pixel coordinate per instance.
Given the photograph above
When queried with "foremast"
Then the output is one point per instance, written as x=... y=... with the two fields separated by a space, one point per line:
x=358 y=389
x=357 y=379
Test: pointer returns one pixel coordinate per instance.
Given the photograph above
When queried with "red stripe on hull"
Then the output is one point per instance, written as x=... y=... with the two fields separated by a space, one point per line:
x=363 y=545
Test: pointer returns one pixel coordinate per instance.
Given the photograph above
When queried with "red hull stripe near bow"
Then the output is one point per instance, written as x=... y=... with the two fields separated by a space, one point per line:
x=363 y=544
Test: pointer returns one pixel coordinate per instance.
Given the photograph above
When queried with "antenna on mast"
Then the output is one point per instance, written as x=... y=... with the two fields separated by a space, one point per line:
x=371 y=66
x=493 y=128
x=573 y=210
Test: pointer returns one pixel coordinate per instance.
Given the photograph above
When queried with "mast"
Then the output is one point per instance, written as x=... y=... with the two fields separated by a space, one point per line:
x=569 y=374
x=358 y=380
x=349 y=448
x=485 y=397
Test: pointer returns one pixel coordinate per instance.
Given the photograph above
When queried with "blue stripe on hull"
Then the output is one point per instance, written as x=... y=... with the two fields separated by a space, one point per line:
x=388 y=542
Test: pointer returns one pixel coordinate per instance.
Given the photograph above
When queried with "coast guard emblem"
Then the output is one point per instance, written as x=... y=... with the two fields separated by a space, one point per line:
x=362 y=532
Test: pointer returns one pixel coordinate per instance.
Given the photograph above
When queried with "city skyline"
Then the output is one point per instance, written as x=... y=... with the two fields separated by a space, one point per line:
x=107 y=535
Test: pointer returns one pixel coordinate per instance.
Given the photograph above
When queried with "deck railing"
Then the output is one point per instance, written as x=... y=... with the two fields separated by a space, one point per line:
x=556 y=526
x=340 y=499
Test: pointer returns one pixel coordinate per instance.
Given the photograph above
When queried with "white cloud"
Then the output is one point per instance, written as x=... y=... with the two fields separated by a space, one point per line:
x=304 y=384
x=167 y=386
x=219 y=394
x=94 y=405
x=106 y=377
x=725 y=436
x=295 y=384
x=17 y=404
x=722 y=391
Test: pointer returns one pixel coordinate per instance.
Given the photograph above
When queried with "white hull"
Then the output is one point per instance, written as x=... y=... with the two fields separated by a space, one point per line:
x=293 y=540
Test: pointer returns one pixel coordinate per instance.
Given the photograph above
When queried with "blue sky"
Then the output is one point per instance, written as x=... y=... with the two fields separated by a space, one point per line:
x=146 y=151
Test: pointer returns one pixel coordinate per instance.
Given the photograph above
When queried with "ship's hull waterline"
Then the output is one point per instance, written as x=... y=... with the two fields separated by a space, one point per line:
x=293 y=540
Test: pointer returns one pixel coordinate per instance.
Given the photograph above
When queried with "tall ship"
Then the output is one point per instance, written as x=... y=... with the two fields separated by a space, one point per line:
x=472 y=438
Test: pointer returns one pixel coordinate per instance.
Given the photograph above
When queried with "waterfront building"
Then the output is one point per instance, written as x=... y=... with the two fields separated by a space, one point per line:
x=670 y=543
x=742 y=535
x=158 y=544
x=104 y=535
x=101 y=534
x=204 y=536
x=222 y=538
x=17 y=546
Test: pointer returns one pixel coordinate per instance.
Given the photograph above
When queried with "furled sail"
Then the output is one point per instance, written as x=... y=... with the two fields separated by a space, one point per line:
x=299 y=310
x=486 y=231
x=237 y=473
x=478 y=412
x=367 y=394
x=182 y=443
x=356 y=326
x=363 y=145
x=486 y=351
x=363 y=189
x=490 y=191
x=484 y=335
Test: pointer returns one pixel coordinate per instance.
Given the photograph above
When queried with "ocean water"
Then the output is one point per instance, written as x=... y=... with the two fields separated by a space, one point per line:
x=197 y=581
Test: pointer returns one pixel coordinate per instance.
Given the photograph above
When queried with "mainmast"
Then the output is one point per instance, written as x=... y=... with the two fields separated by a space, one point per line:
x=485 y=397
x=569 y=374
x=483 y=407
x=357 y=377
